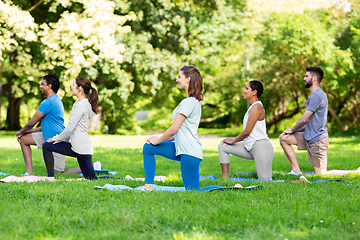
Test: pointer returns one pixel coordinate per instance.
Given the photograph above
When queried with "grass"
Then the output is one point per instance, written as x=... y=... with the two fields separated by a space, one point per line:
x=76 y=210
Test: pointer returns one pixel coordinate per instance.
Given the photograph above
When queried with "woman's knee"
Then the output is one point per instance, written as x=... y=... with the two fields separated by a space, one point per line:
x=221 y=147
x=45 y=146
x=146 y=148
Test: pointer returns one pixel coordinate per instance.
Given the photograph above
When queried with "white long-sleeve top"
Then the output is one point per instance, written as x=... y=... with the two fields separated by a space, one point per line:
x=77 y=129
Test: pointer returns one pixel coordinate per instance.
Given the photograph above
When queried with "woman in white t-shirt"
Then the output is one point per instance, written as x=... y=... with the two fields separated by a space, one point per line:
x=180 y=142
x=253 y=142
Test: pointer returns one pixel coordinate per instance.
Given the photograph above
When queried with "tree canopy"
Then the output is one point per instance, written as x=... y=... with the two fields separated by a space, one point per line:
x=132 y=51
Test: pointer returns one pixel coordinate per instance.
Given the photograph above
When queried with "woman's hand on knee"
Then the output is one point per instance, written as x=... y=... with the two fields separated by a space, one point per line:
x=152 y=140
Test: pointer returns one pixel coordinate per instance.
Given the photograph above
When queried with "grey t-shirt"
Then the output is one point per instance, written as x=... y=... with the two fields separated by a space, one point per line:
x=186 y=139
x=315 y=128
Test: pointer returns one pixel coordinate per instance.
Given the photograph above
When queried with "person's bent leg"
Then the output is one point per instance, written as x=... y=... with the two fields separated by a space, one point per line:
x=86 y=166
x=165 y=149
x=286 y=141
x=59 y=163
x=49 y=159
x=263 y=153
x=224 y=158
x=190 y=171
x=317 y=152
x=25 y=142
x=225 y=170
x=336 y=172
x=225 y=150
x=48 y=149
x=73 y=170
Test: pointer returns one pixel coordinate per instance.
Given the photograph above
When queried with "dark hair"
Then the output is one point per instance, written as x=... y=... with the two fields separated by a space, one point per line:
x=257 y=85
x=317 y=71
x=196 y=84
x=86 y=85
x=53 y=80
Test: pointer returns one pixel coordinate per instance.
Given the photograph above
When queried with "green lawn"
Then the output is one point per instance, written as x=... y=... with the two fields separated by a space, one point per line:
x=76 y=210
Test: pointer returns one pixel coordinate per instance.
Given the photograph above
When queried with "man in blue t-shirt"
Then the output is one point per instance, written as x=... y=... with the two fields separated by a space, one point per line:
x=51 y=115
x=310 y=131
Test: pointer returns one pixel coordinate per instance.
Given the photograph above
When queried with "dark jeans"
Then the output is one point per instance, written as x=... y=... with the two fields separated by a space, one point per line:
x=85 y=161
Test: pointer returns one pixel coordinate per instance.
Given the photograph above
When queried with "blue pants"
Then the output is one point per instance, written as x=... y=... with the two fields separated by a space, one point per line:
x=189 y=164
x=85 y=161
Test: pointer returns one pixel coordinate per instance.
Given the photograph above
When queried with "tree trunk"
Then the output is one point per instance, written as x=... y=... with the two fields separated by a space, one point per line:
x=13 y=111
x=337 y=119
x=1 y=84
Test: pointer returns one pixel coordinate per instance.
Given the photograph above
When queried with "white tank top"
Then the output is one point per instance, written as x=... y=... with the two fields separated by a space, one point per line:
x=257 y=133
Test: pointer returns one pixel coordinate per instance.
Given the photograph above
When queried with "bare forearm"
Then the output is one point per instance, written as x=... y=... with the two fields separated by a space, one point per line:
x=168 y=134
x=26 y=129
x=38 y=129
x=299 y=126
x=241 y=136
x=171 y=138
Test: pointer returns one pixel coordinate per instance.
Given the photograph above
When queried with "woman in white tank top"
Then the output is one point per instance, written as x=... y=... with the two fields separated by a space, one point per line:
x=253 y=142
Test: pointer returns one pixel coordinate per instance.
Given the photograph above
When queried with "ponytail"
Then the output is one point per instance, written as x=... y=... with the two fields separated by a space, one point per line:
x=94 y=99
x=86 y=85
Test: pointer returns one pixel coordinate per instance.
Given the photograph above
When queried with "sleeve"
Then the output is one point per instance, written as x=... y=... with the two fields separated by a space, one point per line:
x=186 y=107
x=75 y=117
x=44 y=107
x=313 y=103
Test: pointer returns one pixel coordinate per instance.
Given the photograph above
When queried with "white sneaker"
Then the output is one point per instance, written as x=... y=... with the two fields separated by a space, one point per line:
x=128 y=177
x=304 y=179
x=26 y=174
x=144 y=189
x=97 y=165
x=238 y=185
x=294 y=173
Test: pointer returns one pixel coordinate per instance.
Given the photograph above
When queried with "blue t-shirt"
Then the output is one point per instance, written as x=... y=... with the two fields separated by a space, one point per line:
x=315 y=128
x=186 y=139
x=53 y=121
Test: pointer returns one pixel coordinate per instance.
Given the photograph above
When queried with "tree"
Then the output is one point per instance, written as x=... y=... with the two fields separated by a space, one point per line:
x=291 y=43
x=19 y=70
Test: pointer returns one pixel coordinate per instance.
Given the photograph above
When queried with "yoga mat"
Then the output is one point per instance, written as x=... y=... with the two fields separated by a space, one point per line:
x=176 y=189
x=303 y=179
x=221 y=188
x=26 y=179
x=212 y=177
x=244 y=172
x=156 y=188
x=244 y=179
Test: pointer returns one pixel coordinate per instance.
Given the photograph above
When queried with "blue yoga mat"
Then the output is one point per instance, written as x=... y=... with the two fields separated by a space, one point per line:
x=212 y=177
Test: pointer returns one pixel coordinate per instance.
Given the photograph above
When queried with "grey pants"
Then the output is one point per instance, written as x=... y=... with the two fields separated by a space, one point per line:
x=262 y=152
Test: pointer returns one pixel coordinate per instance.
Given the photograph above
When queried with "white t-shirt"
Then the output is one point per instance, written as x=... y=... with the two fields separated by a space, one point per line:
x=186 y=139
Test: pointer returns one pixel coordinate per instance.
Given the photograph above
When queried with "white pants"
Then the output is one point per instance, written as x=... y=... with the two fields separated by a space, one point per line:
x=262 y=152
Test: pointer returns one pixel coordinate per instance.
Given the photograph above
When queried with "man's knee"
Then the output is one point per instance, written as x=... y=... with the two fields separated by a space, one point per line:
x=286 y=140
x=27 y=140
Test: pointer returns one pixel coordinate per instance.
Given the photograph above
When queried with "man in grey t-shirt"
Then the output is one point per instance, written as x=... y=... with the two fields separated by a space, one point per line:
x=310 y=132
